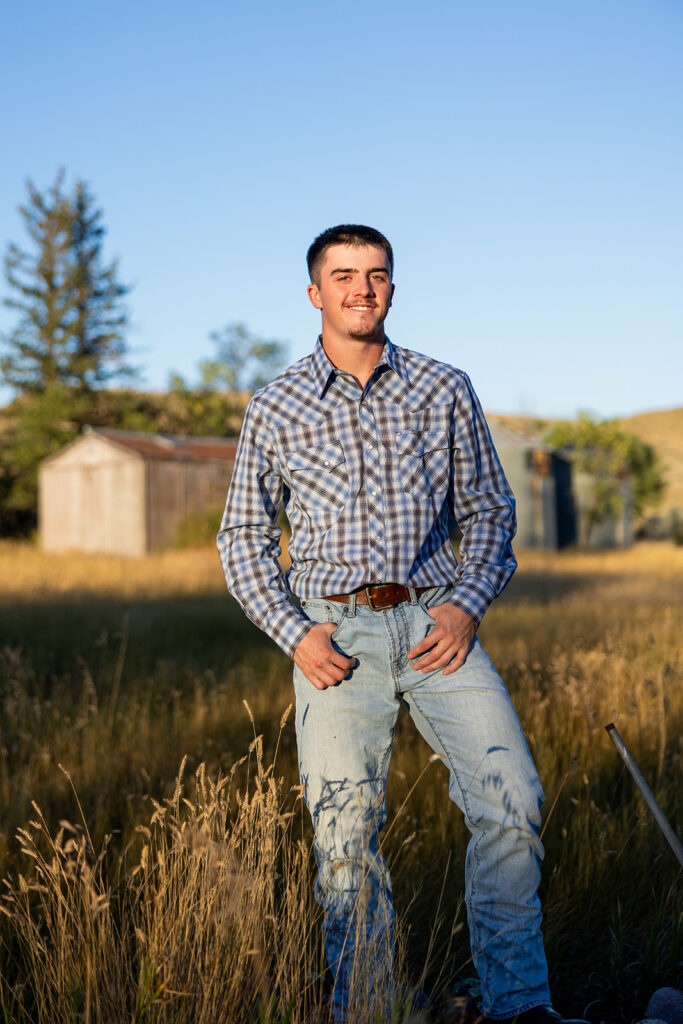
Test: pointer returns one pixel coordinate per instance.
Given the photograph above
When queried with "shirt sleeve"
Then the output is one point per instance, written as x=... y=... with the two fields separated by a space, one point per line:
x=484 y=509
x=249 y=538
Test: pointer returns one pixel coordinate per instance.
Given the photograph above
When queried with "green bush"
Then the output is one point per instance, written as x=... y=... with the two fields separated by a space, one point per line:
x=199 y=529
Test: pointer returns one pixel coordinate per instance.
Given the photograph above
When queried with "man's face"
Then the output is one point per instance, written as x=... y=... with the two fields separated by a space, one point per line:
x=354 y=292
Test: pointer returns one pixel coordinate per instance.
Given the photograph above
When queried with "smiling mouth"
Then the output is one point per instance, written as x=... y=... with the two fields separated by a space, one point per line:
x=360 y=309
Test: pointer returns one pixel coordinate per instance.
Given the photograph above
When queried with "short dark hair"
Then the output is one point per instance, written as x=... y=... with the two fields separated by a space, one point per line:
x=345 y=234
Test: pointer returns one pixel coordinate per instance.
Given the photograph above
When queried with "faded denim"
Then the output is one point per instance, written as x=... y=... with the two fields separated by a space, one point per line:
x=345 y=737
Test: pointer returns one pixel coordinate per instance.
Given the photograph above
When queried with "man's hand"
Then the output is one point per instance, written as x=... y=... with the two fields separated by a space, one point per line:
x=448 y=643
x=318 y=660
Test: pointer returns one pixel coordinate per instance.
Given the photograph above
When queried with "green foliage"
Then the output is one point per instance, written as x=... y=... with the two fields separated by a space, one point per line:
x=71 y=321
x=647 y=475
x=203 y=411
x=39 y=424
x=243 y=362
x=610 y=456
x=199 y=529
x=677 y=528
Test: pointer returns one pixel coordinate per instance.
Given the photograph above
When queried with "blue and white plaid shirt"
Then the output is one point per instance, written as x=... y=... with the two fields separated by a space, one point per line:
x=367 y=477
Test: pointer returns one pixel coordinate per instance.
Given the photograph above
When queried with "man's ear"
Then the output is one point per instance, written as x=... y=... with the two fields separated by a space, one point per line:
x=314 y=295
x=391 y=297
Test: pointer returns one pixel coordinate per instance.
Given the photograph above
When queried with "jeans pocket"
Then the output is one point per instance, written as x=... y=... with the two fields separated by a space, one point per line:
x=342 y=620
x=427 y=625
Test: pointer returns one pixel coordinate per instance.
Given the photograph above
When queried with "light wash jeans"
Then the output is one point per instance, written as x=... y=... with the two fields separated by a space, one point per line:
x=345 y=736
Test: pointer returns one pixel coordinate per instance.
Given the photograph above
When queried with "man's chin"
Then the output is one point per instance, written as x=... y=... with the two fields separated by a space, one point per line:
x=375 y=334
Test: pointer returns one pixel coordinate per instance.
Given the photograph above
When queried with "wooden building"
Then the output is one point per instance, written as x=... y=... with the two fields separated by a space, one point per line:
x=539 y=481
x=124 y=492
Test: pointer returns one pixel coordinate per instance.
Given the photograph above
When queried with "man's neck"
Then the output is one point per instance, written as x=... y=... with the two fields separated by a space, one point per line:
x=355 y=356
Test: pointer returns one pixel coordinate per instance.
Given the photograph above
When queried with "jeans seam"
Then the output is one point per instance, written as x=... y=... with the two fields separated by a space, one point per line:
x=328 y=608
x=342 y=618
x=463 y=792
x=386 y=757
x=520 y=1009
x=469 y=818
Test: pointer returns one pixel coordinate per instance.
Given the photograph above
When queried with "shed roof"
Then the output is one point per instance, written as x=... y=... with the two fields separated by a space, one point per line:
x=167 y=446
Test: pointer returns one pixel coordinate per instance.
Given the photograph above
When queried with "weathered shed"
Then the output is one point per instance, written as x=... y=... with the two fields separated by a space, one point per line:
x=126 y=492
x=554 y=498
x=536 y=477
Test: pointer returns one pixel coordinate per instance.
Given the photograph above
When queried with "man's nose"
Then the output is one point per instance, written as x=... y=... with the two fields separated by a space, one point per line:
x=364 y=285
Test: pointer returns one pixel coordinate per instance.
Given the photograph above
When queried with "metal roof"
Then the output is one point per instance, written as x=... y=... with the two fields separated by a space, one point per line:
x=168 y=446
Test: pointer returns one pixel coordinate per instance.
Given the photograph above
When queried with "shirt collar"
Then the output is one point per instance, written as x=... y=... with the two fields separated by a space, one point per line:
x=323 y=370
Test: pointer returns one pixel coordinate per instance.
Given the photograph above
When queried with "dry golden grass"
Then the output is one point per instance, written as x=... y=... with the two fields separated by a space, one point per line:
x=208 y=918
x=117 y=669
x=654 y=560
x=28 y=572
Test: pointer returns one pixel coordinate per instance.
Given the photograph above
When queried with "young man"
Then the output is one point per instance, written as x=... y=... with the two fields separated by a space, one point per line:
x=371 y=447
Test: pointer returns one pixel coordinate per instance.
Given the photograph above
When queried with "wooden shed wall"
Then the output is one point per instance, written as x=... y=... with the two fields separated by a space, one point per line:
x=535 y=497
x=92 y=499
x=177 y=488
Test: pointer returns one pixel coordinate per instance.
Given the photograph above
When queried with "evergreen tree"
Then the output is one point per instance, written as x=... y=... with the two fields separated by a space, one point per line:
x=69 y=339
x=100 y=320
x=71 y=319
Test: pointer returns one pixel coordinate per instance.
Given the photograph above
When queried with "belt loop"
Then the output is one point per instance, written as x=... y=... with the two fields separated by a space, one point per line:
x=413 y=595
x=352 y=605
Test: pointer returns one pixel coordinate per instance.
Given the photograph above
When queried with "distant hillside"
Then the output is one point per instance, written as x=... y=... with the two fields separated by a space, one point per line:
x=523 y=426
x=664 y=431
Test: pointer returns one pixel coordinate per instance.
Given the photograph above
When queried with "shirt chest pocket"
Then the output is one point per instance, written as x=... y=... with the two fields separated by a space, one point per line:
x=424 y=460
x=319 y=476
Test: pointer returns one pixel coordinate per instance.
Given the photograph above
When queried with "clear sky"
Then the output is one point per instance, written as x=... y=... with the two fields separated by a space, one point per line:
x=525 y=158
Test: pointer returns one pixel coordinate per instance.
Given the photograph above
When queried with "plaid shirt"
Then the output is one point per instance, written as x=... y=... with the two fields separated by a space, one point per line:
x=367 y=477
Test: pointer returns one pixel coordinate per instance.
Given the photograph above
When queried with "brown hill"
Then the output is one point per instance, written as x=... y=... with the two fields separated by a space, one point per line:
x=664 y=431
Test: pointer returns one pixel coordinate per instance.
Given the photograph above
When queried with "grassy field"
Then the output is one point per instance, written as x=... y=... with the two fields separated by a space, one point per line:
x=135 y=893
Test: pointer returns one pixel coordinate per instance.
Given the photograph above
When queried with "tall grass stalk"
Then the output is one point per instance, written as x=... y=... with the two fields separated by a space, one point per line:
x=208 y=918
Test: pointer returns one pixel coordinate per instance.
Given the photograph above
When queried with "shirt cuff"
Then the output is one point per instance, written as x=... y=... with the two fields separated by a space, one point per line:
x=288 y=628
x=472 y=595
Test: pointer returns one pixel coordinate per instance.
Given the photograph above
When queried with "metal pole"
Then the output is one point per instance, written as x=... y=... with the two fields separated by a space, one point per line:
x=648 y=796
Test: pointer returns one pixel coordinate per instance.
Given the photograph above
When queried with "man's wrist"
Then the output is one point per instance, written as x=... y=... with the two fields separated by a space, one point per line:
x=287 y=627
x=473 y=596
x=297 y=636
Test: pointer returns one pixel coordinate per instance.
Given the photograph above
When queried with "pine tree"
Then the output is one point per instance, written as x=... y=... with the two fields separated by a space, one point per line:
x=69 y=339
x=71 y=318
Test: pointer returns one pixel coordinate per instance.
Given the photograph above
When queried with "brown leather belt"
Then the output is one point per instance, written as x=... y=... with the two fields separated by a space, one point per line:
x=379 y=596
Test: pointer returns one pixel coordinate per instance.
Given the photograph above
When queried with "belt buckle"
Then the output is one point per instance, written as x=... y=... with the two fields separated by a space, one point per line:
x=371 y=605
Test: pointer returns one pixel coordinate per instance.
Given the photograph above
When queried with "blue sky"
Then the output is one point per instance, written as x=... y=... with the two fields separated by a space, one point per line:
x=525 y=158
